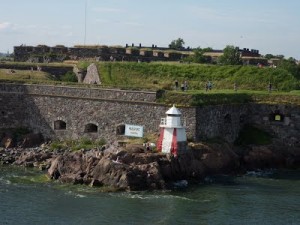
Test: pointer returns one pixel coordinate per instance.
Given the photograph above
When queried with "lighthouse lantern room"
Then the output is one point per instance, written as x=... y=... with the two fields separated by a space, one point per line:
x=172 y=138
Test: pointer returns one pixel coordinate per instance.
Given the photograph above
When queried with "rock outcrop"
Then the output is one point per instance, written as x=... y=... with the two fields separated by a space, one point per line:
x=141 y=171
x=133 y=168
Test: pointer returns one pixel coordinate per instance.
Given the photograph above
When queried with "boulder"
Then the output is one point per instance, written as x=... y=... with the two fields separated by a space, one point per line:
x=7 y=142
x=92 y=75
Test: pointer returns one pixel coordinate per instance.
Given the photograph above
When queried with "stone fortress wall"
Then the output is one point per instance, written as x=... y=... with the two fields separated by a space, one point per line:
x=43 y=53
x=59 y=53
x=71 y=113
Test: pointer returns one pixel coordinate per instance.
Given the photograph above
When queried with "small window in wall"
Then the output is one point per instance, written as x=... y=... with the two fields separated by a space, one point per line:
x=120 y=129
x=91 y=128
x=227 y=118
x=276 y=116
x=60 y=125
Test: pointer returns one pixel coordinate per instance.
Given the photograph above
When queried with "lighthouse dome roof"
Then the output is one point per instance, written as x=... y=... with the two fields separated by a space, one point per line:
x=173 y=111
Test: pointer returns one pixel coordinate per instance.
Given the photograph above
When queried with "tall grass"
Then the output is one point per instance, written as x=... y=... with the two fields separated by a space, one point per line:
x=163 y=75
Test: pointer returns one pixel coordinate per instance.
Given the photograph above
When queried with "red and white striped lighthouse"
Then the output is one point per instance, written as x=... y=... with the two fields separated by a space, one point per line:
x=172 y=137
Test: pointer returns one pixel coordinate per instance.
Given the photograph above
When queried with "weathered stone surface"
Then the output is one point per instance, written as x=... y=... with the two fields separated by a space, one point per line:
x=271 y=156
x=125 y=170
x=140 y=171
x=7 y=142
x=29 y=106
x=92 y=75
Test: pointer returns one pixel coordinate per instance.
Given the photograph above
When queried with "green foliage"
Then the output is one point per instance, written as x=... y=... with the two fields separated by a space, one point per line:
x=177 y=44
x=269 y=56
x=74 y=145
x=83 y=65
x=69 y=77
x=231 y=56
x=253 y=135
x=132 y=75
x=198 y=56
x=291 y=66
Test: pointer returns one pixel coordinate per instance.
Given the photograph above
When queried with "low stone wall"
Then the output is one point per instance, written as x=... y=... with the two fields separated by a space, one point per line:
x=77 y=92
x=39 y=107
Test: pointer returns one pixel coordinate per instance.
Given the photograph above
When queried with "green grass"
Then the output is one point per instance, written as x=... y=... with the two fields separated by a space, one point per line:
x=25 y=75
x=75 y=145
x=217 y=97
x=163 y=75
x=252 y=82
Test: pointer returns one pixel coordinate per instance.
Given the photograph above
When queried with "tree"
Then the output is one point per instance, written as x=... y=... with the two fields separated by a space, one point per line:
x=291 y=66
x=177 y=44
x=269 y=56
x=199 y=57
x=231 y=56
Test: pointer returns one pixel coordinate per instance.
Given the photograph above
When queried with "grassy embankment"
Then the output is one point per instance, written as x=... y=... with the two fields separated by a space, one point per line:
x=252 y=82
x=20 y=72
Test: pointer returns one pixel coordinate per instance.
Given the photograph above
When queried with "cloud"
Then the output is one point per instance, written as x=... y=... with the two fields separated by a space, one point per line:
x=5 y=25
x=129 y=23
x=107 y=10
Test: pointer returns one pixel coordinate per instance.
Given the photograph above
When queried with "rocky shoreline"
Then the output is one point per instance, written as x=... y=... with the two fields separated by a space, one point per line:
x=134 y=168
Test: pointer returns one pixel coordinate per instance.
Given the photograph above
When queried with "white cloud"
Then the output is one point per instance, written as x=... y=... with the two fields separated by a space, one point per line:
x=134 y=24
x=5 y=25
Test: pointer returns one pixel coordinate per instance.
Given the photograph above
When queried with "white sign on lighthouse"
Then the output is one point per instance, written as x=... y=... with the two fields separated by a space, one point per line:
x=172 y=137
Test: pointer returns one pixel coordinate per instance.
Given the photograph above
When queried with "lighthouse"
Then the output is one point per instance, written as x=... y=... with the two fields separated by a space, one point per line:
x=172 y=138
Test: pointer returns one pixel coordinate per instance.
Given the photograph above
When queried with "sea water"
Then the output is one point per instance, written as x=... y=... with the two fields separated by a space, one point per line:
x=272 y=197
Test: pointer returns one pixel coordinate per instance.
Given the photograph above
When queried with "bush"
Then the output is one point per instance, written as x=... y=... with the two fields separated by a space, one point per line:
x=69 y=77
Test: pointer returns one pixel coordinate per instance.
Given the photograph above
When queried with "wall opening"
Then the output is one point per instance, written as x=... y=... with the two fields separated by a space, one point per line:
x=91 y=128
x=60 y=125
x=120 y=129
x=276 y=116
x=227 y=118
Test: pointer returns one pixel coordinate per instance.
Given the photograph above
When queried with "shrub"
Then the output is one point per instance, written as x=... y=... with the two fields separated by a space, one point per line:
x=69 y=77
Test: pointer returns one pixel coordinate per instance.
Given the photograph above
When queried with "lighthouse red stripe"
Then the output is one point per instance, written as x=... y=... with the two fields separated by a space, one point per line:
x=160 y=140
x=174 y=147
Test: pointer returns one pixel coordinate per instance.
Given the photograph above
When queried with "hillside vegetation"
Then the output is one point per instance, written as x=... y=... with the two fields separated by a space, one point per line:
x=251 y=81
x=163 y=75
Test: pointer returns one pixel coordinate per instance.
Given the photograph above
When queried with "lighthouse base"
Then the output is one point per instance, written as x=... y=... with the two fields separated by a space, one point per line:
x=174 y=149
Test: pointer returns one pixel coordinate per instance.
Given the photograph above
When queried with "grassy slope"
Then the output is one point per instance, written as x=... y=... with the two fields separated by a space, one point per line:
x=162 y=76
x=252 y=81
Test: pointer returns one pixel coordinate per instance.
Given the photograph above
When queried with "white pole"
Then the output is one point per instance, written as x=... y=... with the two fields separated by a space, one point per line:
x=85 y=22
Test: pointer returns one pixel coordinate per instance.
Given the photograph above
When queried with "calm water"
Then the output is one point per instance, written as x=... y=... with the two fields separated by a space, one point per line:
x=25 y=198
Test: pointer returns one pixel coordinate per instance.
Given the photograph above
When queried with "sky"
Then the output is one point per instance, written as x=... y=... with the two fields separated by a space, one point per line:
x=270 y=26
